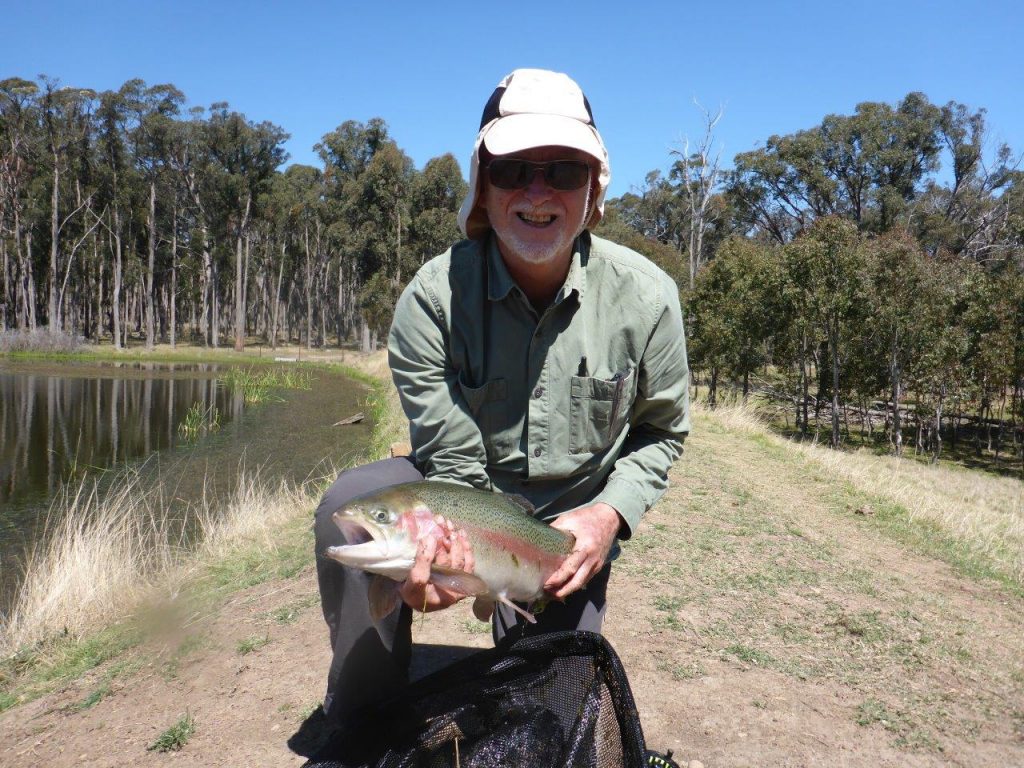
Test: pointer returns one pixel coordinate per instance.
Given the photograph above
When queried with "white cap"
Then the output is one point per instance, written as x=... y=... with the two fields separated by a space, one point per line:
x=534 y=108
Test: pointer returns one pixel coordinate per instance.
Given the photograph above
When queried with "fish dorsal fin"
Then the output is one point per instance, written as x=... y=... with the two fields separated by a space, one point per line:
x=522 y=503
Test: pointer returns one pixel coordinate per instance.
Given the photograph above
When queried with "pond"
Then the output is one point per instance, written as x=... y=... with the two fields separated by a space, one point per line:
x=62 y=424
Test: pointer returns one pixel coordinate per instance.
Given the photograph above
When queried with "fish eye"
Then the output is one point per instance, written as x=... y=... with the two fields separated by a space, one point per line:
x=381 y=515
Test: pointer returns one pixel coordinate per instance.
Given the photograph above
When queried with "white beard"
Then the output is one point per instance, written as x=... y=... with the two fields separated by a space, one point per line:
x=540 y=252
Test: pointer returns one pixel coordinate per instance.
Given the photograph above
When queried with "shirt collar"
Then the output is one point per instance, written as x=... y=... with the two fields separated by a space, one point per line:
x=500 y=282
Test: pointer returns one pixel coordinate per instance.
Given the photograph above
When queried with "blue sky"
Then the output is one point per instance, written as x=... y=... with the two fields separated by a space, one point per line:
x=428 y=67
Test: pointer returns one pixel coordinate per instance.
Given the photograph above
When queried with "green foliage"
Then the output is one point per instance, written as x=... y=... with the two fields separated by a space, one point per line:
x=253 y=643
x=257 y=384
x=175 y=737
x=199 y=421
x=128 y=192
x=736 y=305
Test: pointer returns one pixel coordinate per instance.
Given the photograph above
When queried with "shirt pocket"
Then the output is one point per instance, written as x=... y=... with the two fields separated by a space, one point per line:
x=488 y=404
x=598 y=409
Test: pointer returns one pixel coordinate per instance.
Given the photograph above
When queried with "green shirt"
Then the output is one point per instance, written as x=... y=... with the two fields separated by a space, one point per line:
x=587 y=402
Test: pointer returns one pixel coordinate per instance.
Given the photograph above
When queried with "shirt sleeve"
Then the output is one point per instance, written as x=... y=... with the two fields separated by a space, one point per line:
x=446 y=440
x=660 y=418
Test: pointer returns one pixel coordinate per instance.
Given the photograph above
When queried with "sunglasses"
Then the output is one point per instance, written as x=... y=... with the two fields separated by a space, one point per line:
x=563 y=175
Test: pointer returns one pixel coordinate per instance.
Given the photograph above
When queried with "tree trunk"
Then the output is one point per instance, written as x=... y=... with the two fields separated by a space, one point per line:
x=309 y=291
x=277 y=300
x=240 y=278
x=174 y=277
x=805 y=394
x=895 y=380
x=214 y=304
x=937 y=446
x=6 y=303
x=834 y=344
x=53 y=313
x=116 y=289
x=150 y=266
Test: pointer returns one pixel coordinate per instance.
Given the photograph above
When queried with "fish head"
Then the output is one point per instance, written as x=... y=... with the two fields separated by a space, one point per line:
x=382 y=532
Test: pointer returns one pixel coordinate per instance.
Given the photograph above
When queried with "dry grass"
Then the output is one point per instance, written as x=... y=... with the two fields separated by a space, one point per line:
x=983 y=512
x=110 y=552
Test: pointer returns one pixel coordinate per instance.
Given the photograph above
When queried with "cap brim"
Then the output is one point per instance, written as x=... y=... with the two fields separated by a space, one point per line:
x=515 y=133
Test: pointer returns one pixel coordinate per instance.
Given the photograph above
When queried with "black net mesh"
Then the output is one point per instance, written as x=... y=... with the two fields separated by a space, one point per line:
x=560 y=699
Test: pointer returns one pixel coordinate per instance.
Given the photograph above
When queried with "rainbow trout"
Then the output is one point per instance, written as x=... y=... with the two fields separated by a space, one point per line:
x=513 y=552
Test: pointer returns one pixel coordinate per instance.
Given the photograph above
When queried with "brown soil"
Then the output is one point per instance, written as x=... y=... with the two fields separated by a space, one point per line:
x=762 y=617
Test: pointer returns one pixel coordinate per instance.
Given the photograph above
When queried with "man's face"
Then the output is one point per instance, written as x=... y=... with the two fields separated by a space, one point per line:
x=537 y=224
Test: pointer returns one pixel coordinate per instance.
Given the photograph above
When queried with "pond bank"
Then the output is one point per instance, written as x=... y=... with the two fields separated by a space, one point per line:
x=94 y=573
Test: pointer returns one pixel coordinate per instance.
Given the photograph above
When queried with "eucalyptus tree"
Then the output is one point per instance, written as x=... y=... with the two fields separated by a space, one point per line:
x=867 y=167
x=830 y=259
x=904 y=320
x=697 y=173
x=245 y=156
x=735 y=310
x=434 y=199
x=969 y=215
x=190 y=158
x=150 y=131
x=993 y=317
x=365 y=199
x=20 y=138
x=294 y=201
x=376 y=210
x=67 y=125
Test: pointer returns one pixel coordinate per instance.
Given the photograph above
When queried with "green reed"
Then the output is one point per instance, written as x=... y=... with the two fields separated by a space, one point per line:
x=257 y=385
x=199 y=421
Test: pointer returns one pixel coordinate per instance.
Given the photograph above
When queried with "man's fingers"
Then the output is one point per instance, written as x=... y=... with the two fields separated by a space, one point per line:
x=578 y=581
x=469 y=562
x=457 y=553
x=566 y=571
x=425 y=552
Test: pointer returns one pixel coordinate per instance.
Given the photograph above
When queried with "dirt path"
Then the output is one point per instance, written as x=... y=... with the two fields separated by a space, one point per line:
x=761 y=615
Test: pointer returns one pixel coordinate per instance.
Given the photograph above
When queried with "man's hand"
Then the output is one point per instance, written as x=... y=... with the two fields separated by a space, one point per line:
x=452 y=550
x=595 y=528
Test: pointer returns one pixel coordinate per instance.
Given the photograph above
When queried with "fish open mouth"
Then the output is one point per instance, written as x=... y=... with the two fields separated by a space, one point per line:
x=364 y=541
x=353 y=531
x=370 y=548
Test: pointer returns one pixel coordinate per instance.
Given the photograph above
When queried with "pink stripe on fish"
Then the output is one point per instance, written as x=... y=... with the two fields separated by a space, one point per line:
x=516 y=546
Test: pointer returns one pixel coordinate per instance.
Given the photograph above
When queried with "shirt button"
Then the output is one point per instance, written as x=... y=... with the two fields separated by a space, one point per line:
x=536 y=452
x=538 y=392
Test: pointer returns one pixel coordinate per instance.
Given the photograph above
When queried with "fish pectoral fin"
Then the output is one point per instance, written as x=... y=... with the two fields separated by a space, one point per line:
x=384 y=597
x=483 y=608
x=457 y=581
x=525 y=614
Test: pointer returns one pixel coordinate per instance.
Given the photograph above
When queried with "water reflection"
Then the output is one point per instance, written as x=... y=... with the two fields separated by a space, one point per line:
x=62 y=426
x=57 y=424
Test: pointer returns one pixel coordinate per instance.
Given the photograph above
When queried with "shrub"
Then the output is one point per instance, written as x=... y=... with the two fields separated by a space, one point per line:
x=38 y=340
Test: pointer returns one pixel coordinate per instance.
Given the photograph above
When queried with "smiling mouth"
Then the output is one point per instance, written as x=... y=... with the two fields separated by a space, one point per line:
x=536 y=219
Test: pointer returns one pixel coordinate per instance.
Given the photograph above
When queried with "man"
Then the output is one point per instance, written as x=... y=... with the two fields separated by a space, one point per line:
x=532 y=358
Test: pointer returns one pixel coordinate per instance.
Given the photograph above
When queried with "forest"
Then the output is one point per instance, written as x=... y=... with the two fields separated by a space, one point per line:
x=866 y=274
x=124 y=215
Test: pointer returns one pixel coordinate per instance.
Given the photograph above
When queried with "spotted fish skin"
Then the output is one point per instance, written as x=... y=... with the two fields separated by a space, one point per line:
x=513 y=552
